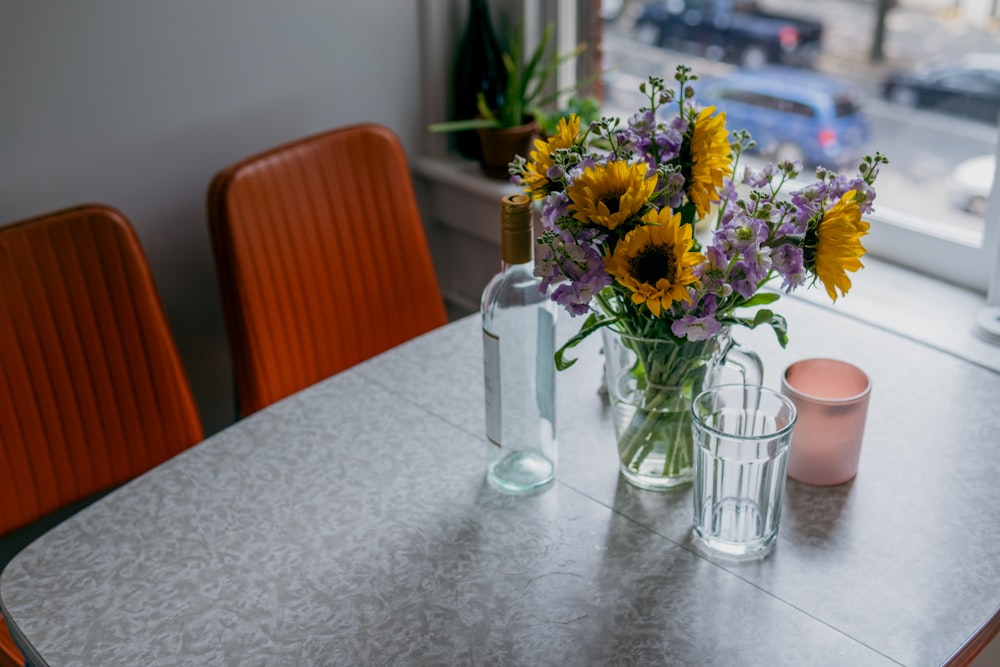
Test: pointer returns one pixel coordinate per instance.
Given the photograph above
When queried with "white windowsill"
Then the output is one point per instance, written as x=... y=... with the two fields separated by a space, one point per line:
x=917 y=306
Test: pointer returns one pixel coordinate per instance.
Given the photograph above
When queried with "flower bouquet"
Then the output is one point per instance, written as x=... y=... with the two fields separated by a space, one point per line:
x=620 y=204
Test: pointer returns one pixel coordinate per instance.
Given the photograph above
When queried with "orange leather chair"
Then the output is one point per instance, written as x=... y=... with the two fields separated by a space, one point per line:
x=92 y=391
x=322 y=259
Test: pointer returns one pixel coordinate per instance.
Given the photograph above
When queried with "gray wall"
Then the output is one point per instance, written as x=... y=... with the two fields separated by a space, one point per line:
x=137 y=103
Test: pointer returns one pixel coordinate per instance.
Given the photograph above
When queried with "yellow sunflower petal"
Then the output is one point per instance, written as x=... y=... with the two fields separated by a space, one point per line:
x=711 y=157
x=608 y=195
x=655 y=263
x=535 y=175
x=838 y=248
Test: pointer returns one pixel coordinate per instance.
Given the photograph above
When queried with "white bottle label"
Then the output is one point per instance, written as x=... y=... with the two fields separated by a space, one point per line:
x=491 y=377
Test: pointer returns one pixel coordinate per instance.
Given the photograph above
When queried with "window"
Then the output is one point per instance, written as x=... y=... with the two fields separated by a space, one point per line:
x=931 y=212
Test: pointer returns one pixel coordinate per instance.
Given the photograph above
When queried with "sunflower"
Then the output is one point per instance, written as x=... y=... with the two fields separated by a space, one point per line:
x=608 y=195
x=535 y=174
x=711 y=158
x=833 y=247
x=654 y=261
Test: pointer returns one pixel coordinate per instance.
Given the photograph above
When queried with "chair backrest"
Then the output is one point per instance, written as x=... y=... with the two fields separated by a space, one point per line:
x=322 y=259
x=92 y=390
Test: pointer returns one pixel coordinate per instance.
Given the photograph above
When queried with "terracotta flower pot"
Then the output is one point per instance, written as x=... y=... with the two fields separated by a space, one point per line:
x=500 y=145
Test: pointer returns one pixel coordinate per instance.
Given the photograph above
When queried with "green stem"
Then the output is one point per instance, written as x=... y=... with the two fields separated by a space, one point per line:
x=667 y=373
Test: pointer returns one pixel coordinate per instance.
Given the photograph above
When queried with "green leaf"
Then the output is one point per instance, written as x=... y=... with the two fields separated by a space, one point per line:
x=780 y=326
x=764 y=316
x=590 y=325
x=688 y=211
x=460 y=125
x=760 y=299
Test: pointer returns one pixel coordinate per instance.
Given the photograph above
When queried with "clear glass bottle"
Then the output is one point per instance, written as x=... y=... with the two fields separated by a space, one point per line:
x=519 y=370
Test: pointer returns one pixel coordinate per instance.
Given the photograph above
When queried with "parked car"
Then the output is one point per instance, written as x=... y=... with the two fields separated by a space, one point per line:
x=793 y=114
x=970 y=182
x=968 y=86
x=732 y=30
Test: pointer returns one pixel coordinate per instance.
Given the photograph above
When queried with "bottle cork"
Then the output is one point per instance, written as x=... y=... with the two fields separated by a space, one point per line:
x=517 y=234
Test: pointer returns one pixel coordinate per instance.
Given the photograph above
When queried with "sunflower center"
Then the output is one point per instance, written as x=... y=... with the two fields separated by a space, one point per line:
x=809 y=246
x=613 y=201
x=654 y=263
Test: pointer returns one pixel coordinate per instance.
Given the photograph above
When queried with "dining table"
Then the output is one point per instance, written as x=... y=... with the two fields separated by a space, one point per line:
x=351 y=524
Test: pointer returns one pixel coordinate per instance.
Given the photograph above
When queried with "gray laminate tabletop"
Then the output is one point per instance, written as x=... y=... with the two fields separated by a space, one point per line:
x=350 y=525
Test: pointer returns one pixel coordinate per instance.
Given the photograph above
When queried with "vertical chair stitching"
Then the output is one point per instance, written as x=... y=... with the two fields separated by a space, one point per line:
x=395 y=242
x=255 y=270
x=289 y=261
x=367 y=297
x=55 y=426
x=397 y=236
x=283 y=353
x=57 y=284
x=347 y=291
x=22 y=439
x=307 y=250
x=88 y=316
x=122 y=394
x=155 y=436
x=45 y=447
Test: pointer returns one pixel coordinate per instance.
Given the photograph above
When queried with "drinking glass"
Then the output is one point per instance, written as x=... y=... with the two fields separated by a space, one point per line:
x=741 y=438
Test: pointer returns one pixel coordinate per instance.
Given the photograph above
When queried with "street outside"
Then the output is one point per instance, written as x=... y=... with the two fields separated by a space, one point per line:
x=923 y=147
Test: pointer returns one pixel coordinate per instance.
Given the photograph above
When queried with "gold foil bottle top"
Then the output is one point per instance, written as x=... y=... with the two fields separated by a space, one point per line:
x=516 y=231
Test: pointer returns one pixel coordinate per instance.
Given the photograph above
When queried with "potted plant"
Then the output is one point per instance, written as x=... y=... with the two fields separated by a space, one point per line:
x=507 y=130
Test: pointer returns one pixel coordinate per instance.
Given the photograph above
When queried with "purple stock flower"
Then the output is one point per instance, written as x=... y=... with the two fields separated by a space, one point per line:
x=841 y=185
x=712 y=273
x=696 y=328
x=788 y=262
x=742 y=232
x=669 y=143
x=790 y=224
x=638 y=136
x=575 y=296
x=643 y=123
x=755 y=267
x=674 y=190
x=679 y=123
x=555 y=206
x=576 y=260
x=748 y=271
x=758 y=178
x=808 y=202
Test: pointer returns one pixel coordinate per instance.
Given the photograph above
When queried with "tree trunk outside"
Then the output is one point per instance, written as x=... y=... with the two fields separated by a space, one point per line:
x=878 y=41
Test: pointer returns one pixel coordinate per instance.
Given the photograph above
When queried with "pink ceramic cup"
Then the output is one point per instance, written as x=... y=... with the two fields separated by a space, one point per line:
x=831 y=398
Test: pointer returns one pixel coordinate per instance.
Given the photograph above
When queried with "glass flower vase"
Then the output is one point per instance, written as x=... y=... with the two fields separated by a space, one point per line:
x=651 y=384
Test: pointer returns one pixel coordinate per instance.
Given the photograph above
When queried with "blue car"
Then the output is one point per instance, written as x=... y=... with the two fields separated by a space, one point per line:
x=793 y=114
